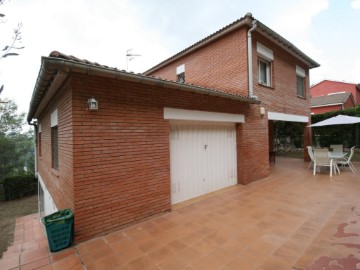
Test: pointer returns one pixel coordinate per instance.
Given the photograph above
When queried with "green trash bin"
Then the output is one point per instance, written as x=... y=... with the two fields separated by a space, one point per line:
x=59 y=229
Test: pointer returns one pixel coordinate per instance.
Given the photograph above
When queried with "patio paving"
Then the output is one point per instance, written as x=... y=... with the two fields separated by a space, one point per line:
x=290 y=220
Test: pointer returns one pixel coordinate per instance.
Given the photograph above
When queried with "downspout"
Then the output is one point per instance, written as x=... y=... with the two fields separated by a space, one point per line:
x=250 y=65
x=35 y=159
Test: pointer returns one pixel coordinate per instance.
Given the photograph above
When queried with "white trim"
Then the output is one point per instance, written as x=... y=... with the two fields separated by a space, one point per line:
x=327 y=105
x=39 y=128
x=287 y=117
x=54 y=118
x=300 y=72
x=192 y=115
x=49 y=206
x=180 y=69
x=264 y=52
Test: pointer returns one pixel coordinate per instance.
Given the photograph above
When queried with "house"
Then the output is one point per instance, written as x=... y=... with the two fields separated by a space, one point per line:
x=332 y=102
x=118 y=147
x=331 y=95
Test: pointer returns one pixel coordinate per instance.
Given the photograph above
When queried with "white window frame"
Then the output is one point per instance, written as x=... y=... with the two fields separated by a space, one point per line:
x=267 y=81
x=265 y=56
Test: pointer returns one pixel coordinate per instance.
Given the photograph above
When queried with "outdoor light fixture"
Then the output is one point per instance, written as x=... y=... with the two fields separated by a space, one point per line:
x=262 y=111
x=93 y=104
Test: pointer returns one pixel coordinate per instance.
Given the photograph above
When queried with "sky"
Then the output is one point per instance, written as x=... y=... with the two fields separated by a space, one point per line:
x=104 y=31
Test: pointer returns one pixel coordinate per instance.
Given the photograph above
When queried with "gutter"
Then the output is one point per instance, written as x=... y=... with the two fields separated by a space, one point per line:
x=250 y=65
x=52 y=67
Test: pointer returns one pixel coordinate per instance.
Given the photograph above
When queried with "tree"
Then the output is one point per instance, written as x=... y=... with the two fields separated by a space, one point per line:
x=16 y=146
x=12 y=45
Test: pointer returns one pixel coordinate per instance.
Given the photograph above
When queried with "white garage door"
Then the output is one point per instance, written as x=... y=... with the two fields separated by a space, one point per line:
x=203 y=159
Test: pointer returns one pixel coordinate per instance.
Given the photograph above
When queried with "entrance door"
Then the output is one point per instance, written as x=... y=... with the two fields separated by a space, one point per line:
x=203 y=159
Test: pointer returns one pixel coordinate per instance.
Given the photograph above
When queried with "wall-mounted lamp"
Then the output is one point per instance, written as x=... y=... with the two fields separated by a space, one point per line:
x=262 y=111
x=93 y=104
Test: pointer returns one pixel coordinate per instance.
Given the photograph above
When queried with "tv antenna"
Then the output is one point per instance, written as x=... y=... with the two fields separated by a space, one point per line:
x=130 y=56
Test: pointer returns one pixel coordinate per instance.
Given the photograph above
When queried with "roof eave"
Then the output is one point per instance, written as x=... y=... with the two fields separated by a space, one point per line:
x=52 y=67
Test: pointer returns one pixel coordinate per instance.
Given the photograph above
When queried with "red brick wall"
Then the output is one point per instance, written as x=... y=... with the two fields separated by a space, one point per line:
x=326 y=87
x=220 y=65
x=59 y=183
x=223 y=65
x=121 y=151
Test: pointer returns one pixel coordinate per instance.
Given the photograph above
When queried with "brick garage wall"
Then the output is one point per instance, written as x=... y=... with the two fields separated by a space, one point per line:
x=59 y=183
x=121 y=151
x=220 y=65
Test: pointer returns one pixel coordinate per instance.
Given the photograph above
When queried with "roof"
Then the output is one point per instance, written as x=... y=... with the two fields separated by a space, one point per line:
x=55 y=69
x=328 y=100
x=247 y=20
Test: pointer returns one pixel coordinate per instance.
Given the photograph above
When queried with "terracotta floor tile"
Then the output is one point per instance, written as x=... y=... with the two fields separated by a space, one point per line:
x=108 y=262
x=36 y=264
x=160 y=254
x=62 y=254
x=176 y=246
x=174 y=262
x=214 y=260
x=8 y=263
x=238 y=263
x=128 y=255
x=141 y=263
x=190 y=255
x=148 y=245
x=273 y=263
x=33 y=255
x=69 y=263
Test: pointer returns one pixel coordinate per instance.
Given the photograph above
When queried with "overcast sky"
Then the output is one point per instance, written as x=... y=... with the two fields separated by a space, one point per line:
x=103 y=30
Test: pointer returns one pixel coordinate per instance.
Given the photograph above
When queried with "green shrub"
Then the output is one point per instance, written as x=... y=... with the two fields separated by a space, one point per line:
x=19 y=186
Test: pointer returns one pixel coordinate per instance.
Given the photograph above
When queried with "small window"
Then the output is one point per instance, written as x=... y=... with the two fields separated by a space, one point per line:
x=180 y=73
x=300 y=82
x=39 y=143
x=54 y=147
x=300 y=85
x=264 y=72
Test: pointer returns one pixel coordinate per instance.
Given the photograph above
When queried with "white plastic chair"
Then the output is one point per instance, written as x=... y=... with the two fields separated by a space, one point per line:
x=311 y=154
x=347 y=160
x=321 y=159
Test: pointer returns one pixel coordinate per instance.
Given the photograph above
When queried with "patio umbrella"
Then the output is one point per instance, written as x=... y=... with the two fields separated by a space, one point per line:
x=337 y=120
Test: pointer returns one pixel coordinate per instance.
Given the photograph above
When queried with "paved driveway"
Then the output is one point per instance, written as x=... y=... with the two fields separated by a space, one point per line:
x=291 y=220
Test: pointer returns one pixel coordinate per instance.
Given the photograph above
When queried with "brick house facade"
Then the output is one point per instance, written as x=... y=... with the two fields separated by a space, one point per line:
x=112 y=166
x=331 y=95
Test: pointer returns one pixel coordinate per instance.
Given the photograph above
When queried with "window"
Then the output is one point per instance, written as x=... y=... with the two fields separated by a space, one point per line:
x=300 y=82
x=39 y=143
x=54 y=140
x=180 y=73
x=265 y=59
x=264 y=72
x=54 y=147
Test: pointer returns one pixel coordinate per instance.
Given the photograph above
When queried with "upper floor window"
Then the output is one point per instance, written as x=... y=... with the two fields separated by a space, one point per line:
x=264 y=72
x=300 y=82
x=180 y=73
x=54 y=140
x=265 y=59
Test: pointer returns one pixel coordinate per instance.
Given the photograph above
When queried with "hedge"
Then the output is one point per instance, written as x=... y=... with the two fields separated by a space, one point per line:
x=19 y=186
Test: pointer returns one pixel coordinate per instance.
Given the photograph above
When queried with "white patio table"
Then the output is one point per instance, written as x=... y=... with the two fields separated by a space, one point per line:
x=336 y=156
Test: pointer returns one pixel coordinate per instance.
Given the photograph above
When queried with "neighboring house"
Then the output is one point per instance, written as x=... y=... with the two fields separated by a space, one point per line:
x=118 y=147
x=322 y=101
x=332 y=102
